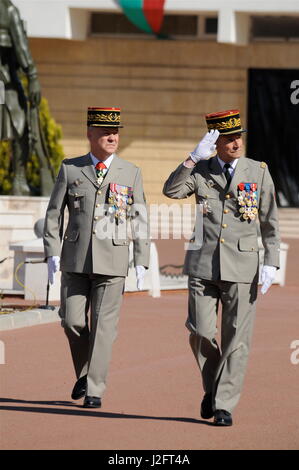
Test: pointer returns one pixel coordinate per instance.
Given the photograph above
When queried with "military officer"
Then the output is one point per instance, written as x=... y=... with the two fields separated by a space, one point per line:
x=104 y=197
x=233 y=194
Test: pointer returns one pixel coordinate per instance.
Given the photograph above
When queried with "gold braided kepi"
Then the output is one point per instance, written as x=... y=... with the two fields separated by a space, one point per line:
x=226 y=122
x=103 y=117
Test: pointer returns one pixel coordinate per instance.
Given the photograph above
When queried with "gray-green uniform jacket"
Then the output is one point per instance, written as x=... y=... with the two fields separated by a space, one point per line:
x=229 y=251
x=93 y=241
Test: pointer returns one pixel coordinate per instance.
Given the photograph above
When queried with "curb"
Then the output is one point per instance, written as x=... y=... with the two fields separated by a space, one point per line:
x=15 y=320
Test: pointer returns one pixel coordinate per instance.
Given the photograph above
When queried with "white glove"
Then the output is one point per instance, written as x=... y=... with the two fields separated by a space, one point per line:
x=140 y=273
x=267 y=277
x=53 y=267
x=206 y=146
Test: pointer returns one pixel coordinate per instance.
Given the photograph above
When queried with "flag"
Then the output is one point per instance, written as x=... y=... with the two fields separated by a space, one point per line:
x=147 y=15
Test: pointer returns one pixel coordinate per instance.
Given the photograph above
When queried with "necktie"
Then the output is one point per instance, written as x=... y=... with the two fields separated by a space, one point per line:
x=100 y=171
x=227 y=174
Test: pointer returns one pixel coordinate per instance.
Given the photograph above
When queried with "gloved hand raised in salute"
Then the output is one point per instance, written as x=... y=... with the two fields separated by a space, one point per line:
x=206 y=146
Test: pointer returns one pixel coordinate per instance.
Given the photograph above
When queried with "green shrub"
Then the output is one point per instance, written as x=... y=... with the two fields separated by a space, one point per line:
x=5 y=168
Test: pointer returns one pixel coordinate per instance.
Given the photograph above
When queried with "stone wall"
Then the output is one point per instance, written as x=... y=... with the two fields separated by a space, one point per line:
x=163 y=87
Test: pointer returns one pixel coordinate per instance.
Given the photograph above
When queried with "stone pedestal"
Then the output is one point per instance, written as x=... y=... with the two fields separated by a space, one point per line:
x=152 y=275
x=31 y=272
x=18 y=215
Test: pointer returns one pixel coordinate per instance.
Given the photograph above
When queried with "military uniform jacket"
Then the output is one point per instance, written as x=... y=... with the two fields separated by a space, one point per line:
x=94 y=240
x=229 y=248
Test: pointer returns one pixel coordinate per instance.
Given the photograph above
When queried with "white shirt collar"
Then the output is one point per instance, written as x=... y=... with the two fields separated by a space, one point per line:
x=233 y=164
x=107 y=162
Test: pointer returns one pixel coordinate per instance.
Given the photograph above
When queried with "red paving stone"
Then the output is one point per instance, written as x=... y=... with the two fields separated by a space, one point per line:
x=154 y=388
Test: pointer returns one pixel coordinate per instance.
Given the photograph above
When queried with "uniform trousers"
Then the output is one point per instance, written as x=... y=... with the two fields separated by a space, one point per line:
x=222 y=365
x=91 y=337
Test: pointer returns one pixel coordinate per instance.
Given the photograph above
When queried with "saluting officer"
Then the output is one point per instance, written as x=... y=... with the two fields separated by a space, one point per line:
x=104 y=196
x=234 y=193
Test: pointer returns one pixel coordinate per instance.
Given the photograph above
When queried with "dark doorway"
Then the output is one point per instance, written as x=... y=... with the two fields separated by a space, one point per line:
x=273 y=128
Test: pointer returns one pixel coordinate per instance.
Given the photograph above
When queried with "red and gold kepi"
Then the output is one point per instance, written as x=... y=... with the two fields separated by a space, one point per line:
x=103 y=117
x=226 y=122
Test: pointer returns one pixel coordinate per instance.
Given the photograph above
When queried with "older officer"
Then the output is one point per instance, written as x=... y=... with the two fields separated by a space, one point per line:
x=102 y=193
x=234 y=194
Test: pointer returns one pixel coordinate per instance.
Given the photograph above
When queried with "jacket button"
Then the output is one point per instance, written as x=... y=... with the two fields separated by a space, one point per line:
x=94 y=232
x=224 y=225
x=226 y=211
x=222 y=240
x=227 y=196
x=96 y=217
x=99 y=192
x=98 y=205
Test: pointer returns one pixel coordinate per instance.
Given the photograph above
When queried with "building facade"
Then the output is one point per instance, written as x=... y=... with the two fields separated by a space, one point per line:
x=205 y=60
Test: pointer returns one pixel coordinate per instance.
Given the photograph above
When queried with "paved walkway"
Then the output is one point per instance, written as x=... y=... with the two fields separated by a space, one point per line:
x=154 y=389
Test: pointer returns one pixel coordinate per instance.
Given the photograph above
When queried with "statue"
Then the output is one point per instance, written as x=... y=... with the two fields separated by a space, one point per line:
x=19 y=115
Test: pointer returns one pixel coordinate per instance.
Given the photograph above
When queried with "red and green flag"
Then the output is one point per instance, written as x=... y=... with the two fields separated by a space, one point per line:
x=145 y=14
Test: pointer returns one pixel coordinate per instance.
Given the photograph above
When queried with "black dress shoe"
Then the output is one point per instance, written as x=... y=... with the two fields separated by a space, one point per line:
x=222 y=418
x=206 y=408
x=92 y=402
x=80 y=387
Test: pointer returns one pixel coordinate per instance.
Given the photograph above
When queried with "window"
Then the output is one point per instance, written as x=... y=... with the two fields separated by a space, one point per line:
x=112 y=23
x=180 y=25
x=211 y=25
x=275 y=27
x=173 y=27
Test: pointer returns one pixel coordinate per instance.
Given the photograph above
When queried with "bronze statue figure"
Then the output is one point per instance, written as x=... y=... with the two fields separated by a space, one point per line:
x=19 y=118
